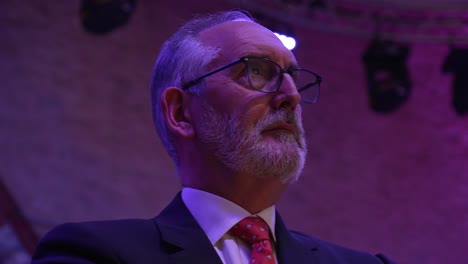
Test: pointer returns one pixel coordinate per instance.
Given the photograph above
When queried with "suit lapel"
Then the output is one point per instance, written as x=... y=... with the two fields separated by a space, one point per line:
x=184 y=240
x=291 y=250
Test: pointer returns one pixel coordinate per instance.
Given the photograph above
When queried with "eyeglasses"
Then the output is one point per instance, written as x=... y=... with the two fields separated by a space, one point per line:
x=266 y=76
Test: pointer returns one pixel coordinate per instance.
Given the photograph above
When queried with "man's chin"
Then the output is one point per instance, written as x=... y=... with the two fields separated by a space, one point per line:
x=284 y=160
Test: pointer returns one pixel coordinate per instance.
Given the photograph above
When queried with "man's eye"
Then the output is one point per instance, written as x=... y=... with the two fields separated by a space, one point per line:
x=261 y=70
x=256 y=70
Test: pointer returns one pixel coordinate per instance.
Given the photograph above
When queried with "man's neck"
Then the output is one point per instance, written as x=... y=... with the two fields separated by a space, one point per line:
x=248 y=191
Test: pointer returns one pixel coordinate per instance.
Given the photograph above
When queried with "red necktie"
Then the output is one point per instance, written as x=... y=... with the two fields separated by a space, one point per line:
x=255 y=232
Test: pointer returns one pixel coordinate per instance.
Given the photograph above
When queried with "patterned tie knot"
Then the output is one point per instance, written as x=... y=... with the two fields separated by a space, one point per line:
x=256 y=233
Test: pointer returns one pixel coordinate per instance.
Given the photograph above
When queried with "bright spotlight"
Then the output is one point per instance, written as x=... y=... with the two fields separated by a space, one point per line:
x=288 y=42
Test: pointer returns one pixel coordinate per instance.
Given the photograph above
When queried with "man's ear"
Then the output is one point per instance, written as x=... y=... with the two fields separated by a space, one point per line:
x=175 y=102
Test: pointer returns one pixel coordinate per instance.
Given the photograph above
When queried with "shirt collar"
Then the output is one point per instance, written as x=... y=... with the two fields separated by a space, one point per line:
x=216 y=215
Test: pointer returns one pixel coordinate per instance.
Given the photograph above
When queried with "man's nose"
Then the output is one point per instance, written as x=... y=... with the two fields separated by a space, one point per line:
x=287 y=95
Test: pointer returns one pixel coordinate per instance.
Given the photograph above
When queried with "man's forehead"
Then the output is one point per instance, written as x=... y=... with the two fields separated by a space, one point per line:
x=236 y=39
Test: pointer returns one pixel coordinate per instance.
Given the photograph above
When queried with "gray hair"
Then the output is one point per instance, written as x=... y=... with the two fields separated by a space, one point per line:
x=183 y=58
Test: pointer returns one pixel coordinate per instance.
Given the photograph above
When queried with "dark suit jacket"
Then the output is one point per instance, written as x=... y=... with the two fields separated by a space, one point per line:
x=174 y=236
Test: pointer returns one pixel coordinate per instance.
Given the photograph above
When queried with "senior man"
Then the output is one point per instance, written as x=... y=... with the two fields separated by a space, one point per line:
x=227 y=106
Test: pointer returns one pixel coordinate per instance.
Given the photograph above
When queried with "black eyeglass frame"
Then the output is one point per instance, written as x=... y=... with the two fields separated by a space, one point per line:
x=278 y=82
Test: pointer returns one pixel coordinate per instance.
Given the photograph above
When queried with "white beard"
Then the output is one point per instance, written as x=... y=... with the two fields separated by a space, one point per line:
x=245 y=150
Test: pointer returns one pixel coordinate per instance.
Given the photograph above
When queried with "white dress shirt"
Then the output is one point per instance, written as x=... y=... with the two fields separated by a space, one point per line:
x=216 y=216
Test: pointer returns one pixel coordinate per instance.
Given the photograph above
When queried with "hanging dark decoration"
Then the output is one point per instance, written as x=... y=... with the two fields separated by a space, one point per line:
x=388 y=82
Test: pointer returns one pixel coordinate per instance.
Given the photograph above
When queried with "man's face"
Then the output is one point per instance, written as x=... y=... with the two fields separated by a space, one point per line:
x=251 y=132
x=248 y=150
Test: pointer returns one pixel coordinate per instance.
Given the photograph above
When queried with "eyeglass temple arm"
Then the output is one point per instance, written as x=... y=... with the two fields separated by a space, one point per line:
x=197 y=80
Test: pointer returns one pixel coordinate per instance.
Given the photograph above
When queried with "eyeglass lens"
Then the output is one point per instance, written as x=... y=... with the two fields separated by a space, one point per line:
x=265 y=75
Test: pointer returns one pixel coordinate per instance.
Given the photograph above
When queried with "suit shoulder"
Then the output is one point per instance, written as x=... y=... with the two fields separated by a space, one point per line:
x=98 y=241
x=126 y=229
x=344 y=254
x=111 y=227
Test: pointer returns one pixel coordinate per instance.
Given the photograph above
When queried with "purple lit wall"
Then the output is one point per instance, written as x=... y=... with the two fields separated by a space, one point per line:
x=77 y=141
